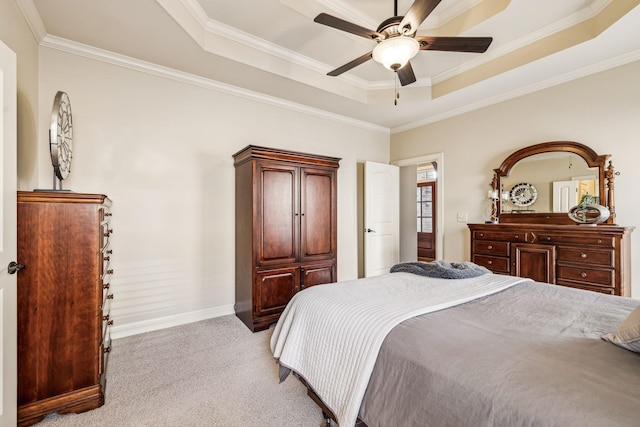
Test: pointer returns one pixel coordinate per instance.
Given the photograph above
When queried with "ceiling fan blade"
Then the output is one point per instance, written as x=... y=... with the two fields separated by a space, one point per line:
x=455 y=44
x=405 y=74
x=349 y=65
x=416 y=15
x=343 y=25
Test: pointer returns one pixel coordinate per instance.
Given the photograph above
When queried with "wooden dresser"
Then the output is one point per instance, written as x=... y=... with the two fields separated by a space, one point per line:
x=63 y=302
x=286 y=229
x=596 y=258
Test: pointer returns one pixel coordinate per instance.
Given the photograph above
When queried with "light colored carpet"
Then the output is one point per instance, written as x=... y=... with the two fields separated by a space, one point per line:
x=210 y=373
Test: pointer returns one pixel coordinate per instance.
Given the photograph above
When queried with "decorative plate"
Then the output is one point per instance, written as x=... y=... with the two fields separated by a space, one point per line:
x=523 y=194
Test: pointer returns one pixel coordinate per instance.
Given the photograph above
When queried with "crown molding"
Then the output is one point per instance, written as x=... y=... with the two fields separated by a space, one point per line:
x=31 y=14
x=112 y=58
x=584 y=14
x=525 y=90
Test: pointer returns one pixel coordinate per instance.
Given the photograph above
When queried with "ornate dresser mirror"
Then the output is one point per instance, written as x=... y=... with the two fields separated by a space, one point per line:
x=530 y=233
x=540 y=183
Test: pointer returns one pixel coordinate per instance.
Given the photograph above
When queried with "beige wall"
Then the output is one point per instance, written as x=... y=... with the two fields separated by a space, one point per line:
x=15 y=33
x=162 y=151
x=601 y=111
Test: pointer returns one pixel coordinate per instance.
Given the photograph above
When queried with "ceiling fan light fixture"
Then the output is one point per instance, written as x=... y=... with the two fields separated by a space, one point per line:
x=394 y=53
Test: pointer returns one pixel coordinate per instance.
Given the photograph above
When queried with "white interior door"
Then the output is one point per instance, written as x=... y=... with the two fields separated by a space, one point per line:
x=565 y=195
x=381 y=217
x=8 y=300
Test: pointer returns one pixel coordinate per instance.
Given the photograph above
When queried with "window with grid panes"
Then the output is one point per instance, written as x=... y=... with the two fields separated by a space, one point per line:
x=424 y=203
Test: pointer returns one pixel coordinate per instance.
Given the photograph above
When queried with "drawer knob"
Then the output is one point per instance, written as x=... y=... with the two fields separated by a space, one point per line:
x=108 y=214
x=110 y=251
x=583 y=255
x=107 y=349
x=107 y=258
x=110 y=271
x=110 y=296
x=110 y=322
x=489 y=262
x=490 y=247
x=516 y=237
x=481 y=234
x=108 y=232
x=599 y=240
x=106 y=286
x=548 y=238
x=583 y=274
x=105 y=318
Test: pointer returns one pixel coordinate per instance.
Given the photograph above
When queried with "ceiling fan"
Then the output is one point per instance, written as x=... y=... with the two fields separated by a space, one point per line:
x=397 y=42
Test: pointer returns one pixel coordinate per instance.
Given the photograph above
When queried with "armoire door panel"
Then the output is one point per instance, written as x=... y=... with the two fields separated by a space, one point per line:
x=318 y=200
x=278 y=214
x=318 y=275
x=274 y=289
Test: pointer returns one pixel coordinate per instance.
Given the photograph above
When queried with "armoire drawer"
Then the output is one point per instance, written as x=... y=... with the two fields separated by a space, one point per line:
x=495 y=264
x=490 y=247
x=604 y=277
x=599 y=257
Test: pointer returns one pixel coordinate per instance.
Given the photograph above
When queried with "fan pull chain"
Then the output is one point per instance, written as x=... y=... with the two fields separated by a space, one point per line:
x=395 y=100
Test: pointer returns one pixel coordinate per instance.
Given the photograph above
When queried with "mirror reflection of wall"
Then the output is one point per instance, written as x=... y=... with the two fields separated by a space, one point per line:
x=543 y=171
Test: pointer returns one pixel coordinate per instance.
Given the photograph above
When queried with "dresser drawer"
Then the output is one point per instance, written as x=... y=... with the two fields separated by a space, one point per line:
x=491 y=248
x=600 y=257
x=600 y=241
x=584 y=275
x=495 y=264
x=503 y=236
x=595 y=288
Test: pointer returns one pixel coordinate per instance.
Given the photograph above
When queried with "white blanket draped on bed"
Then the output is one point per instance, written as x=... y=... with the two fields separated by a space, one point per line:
x=331 y=334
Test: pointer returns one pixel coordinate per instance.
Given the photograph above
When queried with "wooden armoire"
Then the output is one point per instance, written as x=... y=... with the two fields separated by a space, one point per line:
x=286 y=229
x=63 y=302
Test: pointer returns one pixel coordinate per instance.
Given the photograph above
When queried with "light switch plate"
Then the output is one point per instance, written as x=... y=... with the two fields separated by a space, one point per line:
x=463 y=217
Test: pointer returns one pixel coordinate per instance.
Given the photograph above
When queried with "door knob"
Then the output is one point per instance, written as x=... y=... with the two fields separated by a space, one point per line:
x=14 y=266
x=368 y=230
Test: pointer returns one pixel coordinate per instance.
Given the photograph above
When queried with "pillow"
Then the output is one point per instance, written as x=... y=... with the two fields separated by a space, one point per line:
x=627 y=334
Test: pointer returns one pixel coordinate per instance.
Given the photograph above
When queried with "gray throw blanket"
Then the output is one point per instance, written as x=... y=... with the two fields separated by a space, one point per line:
x=441 y=269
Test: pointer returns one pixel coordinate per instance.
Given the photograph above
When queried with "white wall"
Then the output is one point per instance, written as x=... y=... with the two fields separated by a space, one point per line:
x=162 y=151
x=601 y=111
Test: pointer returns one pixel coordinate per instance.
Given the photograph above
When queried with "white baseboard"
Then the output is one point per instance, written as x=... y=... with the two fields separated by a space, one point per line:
x=121 y=331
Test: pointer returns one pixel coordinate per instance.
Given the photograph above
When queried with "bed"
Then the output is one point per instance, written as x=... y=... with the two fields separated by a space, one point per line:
x=509 y=352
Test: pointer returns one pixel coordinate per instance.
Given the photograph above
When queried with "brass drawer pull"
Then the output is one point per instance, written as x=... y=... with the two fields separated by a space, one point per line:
x=583 y=274
x=490 y=262
x=481 y=234
x=490 y=247
x=583 y=255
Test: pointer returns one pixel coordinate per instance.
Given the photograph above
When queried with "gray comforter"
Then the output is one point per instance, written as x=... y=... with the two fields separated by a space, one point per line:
x=528 y=356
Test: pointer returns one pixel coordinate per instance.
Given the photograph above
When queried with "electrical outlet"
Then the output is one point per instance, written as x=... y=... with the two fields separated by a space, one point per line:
x=463 y=217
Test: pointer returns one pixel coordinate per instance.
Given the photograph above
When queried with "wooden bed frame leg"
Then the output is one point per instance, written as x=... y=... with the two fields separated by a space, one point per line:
x=327 y=419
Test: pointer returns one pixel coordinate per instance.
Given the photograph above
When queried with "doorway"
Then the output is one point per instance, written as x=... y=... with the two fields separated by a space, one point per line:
x=408 y=191
x=426 y=199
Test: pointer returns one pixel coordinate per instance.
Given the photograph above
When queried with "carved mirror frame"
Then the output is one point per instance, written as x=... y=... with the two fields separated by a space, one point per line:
x=593 y=160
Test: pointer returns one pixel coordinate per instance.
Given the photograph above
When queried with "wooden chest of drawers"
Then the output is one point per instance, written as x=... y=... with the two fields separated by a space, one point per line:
x=63 y=302
x=595 y=258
